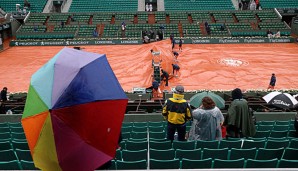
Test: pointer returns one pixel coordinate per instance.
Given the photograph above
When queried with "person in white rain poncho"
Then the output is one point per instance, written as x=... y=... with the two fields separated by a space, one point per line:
x=207 y=121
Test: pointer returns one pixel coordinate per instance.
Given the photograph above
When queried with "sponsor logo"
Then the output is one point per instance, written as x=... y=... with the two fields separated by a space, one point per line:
x=229 y=41
x=280 y=40
x=232 y=62
x=201 y=41
x=129 y=42
x=103 y=42
x=254 y=40
x=280 y=102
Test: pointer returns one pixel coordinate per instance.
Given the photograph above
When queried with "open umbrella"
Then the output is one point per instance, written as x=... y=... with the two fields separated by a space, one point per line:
x=74 y=112
x=196 y=100
x=282 y=100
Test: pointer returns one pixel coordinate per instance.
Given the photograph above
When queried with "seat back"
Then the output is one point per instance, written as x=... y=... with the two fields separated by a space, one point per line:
x=196 y=164
x=215 y=153
x=128 y=155
x=162 y=154
x=242 y=153
x=131 y=165
x=250 y=163
x=164 y=164
x=218 y=163
x=268 y=154
x=195 y=154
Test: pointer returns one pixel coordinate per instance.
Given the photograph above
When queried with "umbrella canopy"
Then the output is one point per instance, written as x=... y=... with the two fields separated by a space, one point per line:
x=282 y=100
x=74 y=111
x=196 y=100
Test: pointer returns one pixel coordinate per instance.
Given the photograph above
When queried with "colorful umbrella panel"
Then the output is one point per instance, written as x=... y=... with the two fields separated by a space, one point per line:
x=74 y=112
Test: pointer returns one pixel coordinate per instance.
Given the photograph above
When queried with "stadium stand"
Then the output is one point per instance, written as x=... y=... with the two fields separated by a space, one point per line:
x=111 y=5
x=35 y=5
x=180 y=5
x=269 y=4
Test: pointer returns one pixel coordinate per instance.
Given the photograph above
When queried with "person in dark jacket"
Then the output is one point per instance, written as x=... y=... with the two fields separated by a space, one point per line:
x=165 y=75
x=180 y=44
x=4 y=94
x=175 y=68
x=272 y=82
x=239 y=118
x=177 y=112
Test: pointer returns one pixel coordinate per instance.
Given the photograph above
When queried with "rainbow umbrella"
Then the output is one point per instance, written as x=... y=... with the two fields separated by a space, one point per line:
x=74 y=111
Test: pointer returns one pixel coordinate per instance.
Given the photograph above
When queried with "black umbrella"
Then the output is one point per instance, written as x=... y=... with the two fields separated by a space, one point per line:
x=282 y=100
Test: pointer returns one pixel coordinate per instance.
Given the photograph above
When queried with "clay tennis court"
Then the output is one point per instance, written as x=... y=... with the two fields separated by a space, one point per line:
x=212 y=66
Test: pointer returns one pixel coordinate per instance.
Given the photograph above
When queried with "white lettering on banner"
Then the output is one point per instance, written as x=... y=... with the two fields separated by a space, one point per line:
x=280 y=102
x=228 y=40
x=78 y=42
x=279 y=40
x=129 y=41
x=28 y=43
x=103 y=42
x=201 y=41
x=232 y=62
x=254 y=40
x=53 y=43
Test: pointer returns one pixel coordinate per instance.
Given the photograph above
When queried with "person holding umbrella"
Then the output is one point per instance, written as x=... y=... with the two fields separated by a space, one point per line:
x=207 y=121
x=272 y=82
x=239 y=119
x=177 y=112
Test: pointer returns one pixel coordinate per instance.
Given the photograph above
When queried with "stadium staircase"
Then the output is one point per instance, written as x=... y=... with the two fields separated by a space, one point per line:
x=151 y=18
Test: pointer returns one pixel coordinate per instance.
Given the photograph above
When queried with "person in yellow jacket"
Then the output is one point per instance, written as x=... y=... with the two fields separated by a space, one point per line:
x=177 y=111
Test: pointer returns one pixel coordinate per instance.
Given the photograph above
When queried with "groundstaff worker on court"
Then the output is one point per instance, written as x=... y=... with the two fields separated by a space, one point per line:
x=177 y=111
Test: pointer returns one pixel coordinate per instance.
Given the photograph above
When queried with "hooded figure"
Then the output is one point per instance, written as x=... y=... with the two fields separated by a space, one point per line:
x=239 y=118
x=207 y=121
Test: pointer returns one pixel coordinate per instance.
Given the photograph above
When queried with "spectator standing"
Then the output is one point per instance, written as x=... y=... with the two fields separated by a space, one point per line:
x=177 y=112
x=257 y=4
x=150 y=7
x=165 y=75
x=207 y=121
x=252 y=5
x=175 y=68
x=239 y=120
x=272 y=82
x=4 y=94
x=146 y=7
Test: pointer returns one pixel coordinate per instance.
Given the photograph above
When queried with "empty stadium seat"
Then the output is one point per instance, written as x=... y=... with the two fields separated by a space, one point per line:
x=218 y=163
x=189 y=154
x=162 y=154
x=196 y=164
x=268 y=154
x=242 y=153
x=128 y=155
x=250 y=163
x=131 y=165
x=164 y=164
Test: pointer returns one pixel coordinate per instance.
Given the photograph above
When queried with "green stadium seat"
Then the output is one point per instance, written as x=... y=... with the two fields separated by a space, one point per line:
x=10 y=165
x=250 y=163
x=195 y=154
x=164 y=164
x=140 y=129
x=290 y=154
x=184 y=145
x=128 y=155
x=207 y=144
x=5 y=145
x=273 y=144
x=162 y=154
x=24 y=155
x=139 y=135
x=160 y=145
x=4 y=129
x=118 y=155
x=157 y=135
x=294 y=143
x=126 y=129
x=156 y=124
x=215 y=153
x=131 y=165
x=134 y=146
x=230 y=144
x=5 y=135
x=265 y=127
x=278 y=134
x=7 y=155
x=218 y=163
x=268 y=154
x=242 y=153
x=247 y=144
x=17 y=136
x=283 y=163
x=262 y=134
x=126 y=135
x=196 y=164
x=156 y=128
